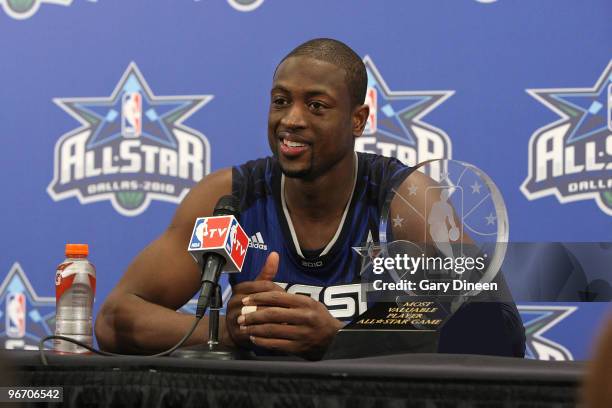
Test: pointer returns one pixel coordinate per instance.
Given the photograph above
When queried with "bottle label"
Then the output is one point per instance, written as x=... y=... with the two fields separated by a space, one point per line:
x=92 y=283
x=64 y=278
x=62 y=285
x=58 y=273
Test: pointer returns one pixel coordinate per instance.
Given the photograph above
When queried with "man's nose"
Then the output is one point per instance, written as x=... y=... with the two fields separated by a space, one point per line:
x=294 y=117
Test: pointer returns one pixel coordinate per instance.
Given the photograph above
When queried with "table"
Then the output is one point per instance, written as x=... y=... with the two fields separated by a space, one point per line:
x=406 y=380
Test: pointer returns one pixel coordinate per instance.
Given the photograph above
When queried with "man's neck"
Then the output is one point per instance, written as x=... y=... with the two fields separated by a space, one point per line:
x=325 y=197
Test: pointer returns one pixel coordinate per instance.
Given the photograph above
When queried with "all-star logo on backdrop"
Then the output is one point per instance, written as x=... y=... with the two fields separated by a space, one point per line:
x=131 y=148
x=25 y=317
x=22 y=9
x=395 y=128
x=572 y=157
x=245 y=5
x=537 y=321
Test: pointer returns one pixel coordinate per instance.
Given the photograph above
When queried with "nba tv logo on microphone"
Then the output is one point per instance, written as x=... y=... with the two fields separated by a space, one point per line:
x=222 y=235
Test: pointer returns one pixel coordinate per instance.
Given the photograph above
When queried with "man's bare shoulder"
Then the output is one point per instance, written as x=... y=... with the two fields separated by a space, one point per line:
x=201 y=200
x=166 y=258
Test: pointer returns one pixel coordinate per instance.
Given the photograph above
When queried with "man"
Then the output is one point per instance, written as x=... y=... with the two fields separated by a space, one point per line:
x=597 y=390
x=313 y=201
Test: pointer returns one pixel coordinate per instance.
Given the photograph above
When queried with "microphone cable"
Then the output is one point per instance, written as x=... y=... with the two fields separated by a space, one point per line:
x=44 y=361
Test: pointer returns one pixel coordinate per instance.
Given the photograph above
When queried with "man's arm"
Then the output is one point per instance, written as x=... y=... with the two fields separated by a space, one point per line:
x=139 y=315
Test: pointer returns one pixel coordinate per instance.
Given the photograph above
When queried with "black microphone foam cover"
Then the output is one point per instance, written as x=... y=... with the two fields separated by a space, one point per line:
x=227 y=205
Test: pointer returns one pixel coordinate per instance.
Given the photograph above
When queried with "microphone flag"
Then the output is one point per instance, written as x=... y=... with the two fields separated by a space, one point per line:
x=222 y=235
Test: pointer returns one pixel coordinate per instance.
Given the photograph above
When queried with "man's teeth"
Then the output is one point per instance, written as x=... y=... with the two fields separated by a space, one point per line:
x=292 y=144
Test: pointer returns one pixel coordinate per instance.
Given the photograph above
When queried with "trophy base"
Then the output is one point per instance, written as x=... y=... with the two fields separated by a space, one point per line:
x=203 y=352
x=386 y=328
x=371 y=343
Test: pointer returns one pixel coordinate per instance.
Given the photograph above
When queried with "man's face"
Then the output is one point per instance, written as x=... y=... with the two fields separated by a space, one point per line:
x=310 y=124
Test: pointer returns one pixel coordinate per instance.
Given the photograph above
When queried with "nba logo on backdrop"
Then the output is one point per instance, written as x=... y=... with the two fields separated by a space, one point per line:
x=571 y=158
x=15 y=315
x=131 y=118
x=372 y=101
x=27 y=317
x=131 y=148
x=394 y=127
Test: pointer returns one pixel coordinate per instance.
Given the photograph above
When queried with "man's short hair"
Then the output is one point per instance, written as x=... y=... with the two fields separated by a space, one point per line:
x=341 y=55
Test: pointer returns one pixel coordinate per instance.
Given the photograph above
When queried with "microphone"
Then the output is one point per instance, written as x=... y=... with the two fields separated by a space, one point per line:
x=217 y=243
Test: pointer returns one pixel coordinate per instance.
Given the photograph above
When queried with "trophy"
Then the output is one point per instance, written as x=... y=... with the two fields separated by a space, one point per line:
x=443 y=234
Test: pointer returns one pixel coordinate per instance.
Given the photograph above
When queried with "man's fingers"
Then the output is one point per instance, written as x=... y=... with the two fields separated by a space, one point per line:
x=263 y=281
x=277 y=298
x=268 y=272
x=248 y=287
x=287 y=346
x=248 y=309
x=280 y=315
x=235 y=302
x=275 y=331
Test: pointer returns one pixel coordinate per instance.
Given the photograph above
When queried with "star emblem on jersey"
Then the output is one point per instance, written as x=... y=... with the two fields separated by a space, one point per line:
x=25 y=317
x=368 y=251
x=537 y=321
x=571 y=158
x=131 y=148
x=395 y=126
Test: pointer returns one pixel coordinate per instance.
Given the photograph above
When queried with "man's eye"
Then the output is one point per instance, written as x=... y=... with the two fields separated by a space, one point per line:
x=316 y=106
x=279 y=101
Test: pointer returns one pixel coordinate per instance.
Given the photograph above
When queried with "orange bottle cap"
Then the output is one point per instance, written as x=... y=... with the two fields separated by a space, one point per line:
x=77 y=249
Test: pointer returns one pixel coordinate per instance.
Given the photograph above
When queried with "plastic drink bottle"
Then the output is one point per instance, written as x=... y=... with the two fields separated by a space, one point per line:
x=75 y=287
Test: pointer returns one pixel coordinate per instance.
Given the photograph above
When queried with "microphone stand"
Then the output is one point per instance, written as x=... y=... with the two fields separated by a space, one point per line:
x=212 y=350
x=213 y=318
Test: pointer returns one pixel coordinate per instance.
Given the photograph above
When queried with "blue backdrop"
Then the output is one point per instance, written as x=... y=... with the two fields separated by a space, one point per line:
x=520 y=89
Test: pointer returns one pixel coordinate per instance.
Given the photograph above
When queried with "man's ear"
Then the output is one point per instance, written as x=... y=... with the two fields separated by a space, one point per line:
x=360 y=118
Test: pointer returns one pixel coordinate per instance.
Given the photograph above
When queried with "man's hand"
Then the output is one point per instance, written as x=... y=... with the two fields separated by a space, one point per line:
x=291 y=323
x=295 y=324
x=263 y=283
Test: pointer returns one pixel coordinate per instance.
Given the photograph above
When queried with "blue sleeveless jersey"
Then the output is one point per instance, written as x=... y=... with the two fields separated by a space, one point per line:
x=258 y=186
x=333 y=278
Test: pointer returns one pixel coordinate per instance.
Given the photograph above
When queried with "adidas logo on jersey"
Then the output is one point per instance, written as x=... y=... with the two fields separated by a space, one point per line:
x=257 y=242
